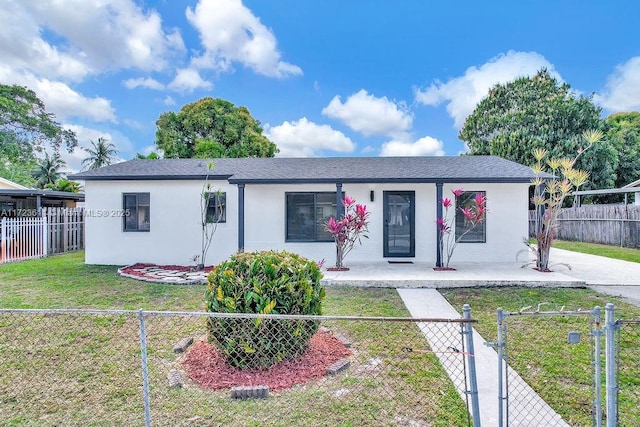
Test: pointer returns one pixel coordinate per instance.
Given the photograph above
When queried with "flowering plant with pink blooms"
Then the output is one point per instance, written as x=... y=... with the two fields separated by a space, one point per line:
x=474 y=215
x=348 y=229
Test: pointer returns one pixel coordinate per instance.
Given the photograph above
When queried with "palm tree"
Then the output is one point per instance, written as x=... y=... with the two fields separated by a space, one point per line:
x=48 y=170
x=101 y=153
x=65 y=185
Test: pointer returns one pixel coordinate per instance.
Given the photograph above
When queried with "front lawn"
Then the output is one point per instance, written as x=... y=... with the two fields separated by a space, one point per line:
x=616 y=252
x=85 y=369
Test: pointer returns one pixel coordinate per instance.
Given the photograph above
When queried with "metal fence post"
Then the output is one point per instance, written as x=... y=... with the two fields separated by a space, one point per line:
x=610 y=366
x=500 y=345
x=597 y=367
x=145 y=373
x=473 y=380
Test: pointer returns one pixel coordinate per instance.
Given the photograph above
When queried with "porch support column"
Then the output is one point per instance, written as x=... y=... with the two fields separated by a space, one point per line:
x=339 y=207
x=39 y=204
x=438 y=215
x=240 y=217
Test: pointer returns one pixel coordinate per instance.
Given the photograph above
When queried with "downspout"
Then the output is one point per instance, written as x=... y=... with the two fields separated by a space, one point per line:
x=438 y=216
x=240 y=217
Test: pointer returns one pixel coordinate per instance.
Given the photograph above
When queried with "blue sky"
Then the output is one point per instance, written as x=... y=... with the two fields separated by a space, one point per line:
x=325 y=78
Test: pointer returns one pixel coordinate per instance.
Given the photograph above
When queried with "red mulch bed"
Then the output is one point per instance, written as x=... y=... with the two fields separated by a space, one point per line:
x=206 y=367
x=185 y=268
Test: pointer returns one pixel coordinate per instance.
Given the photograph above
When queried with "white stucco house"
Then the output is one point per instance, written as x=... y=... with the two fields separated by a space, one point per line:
x=281 y=203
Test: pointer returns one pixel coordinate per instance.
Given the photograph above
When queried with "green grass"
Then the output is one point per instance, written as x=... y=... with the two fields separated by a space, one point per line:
x=80 y=369
x=538 y=349
x=64 y=281
x=616 y=252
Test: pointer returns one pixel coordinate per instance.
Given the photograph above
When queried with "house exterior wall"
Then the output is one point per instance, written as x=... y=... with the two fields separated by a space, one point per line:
x=174 y=235
x=507 y=223
x=175 y=231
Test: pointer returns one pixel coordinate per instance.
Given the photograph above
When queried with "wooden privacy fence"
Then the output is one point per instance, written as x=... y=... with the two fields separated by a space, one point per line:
x=23 y=238
x=65 y=229
x=617 y=225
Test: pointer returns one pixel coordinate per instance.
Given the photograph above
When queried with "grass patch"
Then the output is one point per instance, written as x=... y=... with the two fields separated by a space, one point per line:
x=85 y=370
x=538 y=349
x=616 y=252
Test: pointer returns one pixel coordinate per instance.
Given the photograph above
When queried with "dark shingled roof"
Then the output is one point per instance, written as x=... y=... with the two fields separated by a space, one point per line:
x=320 y=170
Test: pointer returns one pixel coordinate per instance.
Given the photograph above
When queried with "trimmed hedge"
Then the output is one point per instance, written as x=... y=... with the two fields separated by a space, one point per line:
x=268 y=282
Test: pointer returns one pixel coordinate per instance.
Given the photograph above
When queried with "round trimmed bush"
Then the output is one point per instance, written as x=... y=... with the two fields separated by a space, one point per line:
x=267 y=282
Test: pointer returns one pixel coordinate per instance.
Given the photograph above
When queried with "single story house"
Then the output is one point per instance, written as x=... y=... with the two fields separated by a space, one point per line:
x=149 y=210
x=17 y=200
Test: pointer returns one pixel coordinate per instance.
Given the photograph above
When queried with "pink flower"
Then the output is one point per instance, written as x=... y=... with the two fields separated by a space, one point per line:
x=457 y=192
x=446 y=202
x=348 y=200
x=480 y=199
x=442 y=225
x=361 y=211
x=334 y=227
x=468 y=214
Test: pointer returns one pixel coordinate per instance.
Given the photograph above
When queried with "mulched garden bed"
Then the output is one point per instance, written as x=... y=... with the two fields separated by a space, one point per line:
x=132 y=269
x=207 y=367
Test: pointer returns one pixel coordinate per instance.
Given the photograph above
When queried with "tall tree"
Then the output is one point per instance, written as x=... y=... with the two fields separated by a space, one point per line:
x=24 y=114
x=624 y=134
x=539 y=112
x=49 y=170
x=17 y=159
x=212 y=128
x=101 y=153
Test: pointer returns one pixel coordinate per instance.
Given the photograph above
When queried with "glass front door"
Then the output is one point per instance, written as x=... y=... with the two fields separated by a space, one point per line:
x=399 y=224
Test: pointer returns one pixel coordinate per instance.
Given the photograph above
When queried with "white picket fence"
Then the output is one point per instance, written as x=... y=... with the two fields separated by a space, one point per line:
x=23 y=238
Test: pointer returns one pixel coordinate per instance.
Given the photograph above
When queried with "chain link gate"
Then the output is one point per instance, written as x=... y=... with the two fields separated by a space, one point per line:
x=527 y=362
x=90 y=367
x=626 y=390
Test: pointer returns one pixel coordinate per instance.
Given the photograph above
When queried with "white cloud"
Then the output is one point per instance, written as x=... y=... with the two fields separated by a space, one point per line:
x=622 y=91
x=426 y=146
x=463 y=93
x=169 y=101
x=304 y=138
x=60 y=99
x=370 y=115
x=188 y=79
x=230 y=32
x=90 y=36
x=146 y=82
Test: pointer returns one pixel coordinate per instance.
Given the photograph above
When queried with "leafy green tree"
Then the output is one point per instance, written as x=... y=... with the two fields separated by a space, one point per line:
x=540 y=113
x=151 y=156
x=101 y=153
x=65 y=185
x=17 y=159
x=48 y=170
x=23 y=114
x=624 y=135
x=212 y=128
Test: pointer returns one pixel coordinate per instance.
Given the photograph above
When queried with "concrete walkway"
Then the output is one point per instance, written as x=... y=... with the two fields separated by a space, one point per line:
x=428 y=303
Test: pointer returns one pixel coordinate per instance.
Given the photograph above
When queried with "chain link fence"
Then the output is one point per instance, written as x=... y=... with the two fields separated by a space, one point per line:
x=627 y=372
x=77 y=367
x=532 y=358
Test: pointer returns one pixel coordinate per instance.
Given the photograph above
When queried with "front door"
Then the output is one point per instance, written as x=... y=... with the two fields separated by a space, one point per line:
x=399 y=224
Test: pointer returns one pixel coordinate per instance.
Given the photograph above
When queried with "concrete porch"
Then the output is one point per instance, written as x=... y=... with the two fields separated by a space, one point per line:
x=422 y=275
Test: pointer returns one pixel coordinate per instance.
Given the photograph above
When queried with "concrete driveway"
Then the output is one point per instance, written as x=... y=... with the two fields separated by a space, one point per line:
x=606 y=275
